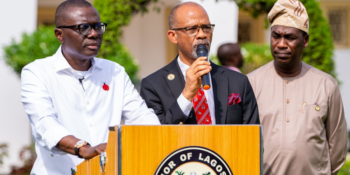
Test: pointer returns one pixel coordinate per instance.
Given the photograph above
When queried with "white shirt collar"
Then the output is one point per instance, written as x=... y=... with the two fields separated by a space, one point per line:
x=183 y=66
x=61 y=63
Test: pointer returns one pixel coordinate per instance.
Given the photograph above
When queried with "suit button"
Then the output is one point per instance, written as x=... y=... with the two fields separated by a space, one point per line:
x=181 y=123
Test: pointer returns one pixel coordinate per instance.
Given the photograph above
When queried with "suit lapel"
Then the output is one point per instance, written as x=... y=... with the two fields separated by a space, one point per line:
x=177 y=84
x=220 y=91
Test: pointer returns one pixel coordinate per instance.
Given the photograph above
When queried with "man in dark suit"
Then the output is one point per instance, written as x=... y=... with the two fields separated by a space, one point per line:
x=175 y=93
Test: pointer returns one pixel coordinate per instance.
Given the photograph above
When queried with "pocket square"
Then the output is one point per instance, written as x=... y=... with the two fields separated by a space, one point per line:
x=234 y=99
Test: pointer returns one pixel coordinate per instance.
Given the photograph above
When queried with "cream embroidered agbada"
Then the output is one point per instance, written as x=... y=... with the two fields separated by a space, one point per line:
x=303 y=121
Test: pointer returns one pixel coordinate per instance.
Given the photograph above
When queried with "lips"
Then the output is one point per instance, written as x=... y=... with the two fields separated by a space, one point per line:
x=93 y=46
x=283 y=54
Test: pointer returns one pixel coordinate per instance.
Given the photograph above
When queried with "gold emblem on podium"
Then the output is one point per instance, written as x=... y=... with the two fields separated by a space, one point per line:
x=193 y=160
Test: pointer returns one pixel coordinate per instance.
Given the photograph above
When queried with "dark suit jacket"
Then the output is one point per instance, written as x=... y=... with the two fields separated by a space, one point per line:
x=161 y=95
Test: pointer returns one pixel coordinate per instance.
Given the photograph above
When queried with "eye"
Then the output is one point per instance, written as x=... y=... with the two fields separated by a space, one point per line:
x=98 y=26
x=291 y=37
x=192 y=29
x=84 y=26
x=275 y=36
x=207 y=27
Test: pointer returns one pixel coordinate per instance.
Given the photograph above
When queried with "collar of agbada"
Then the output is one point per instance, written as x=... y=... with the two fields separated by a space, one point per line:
x=289 y=13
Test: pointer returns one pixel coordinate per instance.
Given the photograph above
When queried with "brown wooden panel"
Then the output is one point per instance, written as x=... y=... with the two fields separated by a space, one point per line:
x=112 y=150
x=144 y=149
x=92 y=166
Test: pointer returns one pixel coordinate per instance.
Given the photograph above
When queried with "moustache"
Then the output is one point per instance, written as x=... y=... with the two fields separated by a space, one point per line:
x=205 y=42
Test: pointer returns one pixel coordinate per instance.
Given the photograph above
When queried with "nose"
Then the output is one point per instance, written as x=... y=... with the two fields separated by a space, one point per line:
x=201 y=34
x=282 y=43
x=93 y=33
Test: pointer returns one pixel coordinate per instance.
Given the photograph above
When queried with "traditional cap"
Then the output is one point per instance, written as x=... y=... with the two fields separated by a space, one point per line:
x=289 y=13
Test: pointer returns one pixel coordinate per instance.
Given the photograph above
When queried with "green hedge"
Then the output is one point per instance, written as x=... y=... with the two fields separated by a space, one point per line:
x=345 y=170
x=254 y=55
x=40 y=44
x=43 y=43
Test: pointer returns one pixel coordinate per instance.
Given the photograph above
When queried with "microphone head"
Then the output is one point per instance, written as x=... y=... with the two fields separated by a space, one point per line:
x=202 y=50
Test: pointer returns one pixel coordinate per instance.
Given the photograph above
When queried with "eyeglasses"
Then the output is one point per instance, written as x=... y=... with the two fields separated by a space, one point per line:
x=193 y=30
x=86 y=28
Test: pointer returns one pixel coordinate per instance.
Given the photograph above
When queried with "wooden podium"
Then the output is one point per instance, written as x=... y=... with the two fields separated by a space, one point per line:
x=140 y=150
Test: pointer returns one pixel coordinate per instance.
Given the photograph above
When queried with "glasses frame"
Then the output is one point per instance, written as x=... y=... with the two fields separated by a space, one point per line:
x=199 y=27
x=91 y=26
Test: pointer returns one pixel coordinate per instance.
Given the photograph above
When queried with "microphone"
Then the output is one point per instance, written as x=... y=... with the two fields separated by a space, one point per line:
x=202 y=51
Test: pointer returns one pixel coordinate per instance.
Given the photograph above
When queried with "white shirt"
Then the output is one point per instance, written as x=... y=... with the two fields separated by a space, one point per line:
x=186 y=105
x=58 y=105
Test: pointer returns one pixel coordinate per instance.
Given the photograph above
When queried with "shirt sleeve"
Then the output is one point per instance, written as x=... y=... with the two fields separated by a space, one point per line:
x=37 y=103
x=336 y=131
x=185 y=105
x=135 y=110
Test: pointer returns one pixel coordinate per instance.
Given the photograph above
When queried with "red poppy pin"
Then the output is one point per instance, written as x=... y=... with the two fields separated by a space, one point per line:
x=234 y=99
x=105 y=87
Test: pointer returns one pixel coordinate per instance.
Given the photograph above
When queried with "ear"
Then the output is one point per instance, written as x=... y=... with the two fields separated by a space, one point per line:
x=172 y=36
x=306 y=40
x=59 y=34
x=233 y=58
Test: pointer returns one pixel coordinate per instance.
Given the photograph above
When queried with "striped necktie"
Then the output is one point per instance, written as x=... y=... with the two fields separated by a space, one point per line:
x=201 y=109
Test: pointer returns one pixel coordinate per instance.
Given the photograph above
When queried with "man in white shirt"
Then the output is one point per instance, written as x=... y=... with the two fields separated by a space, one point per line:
x=71 y=98
x=175 y=92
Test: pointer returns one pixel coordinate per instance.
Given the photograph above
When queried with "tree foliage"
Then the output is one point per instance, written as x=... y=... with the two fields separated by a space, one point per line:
x=39 y=44
x=118 y=13
x=319 y=53
x=43 y=43
x=3 y=152
x=254 y=55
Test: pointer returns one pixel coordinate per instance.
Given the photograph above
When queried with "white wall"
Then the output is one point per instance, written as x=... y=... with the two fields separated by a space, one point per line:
x=146 y=37
x=342 y=62
x=224 y=14
x=16 y=16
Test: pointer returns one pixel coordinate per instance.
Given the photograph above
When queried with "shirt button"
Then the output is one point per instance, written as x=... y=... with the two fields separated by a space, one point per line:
x=287 y=101
x=287 y=81
x=87 y=102
x=91 y=125
x=287 y=119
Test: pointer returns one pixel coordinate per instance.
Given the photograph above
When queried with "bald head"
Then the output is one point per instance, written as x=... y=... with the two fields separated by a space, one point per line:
x=67 y=5
x=229 y=54
x=174 y=15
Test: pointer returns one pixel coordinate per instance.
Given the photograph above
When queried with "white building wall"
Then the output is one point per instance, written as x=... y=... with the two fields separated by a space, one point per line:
x=17 y=16
x=145 y=38
x=342 y=62
x=224 y=14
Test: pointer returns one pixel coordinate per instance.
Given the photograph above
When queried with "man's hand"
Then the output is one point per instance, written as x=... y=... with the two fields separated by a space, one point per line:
x=193 y=77
x=67 y=144
x=88 y=152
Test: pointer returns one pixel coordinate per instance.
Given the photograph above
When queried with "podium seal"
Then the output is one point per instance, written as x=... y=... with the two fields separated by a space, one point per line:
x=193 y=160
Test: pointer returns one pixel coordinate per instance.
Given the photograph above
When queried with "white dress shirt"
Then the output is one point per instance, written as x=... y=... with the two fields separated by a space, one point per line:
x=185 y=105
x=58 y=104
